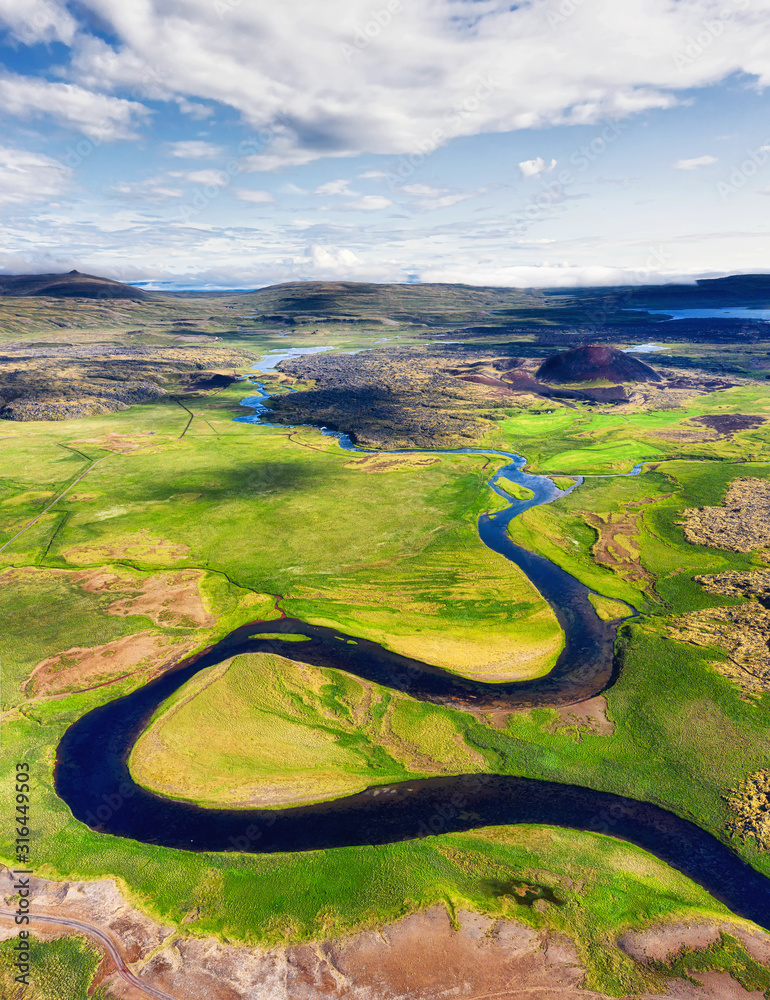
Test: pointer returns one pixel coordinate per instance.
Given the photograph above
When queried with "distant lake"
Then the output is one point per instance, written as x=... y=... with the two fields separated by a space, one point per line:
x=737 y=312
x=644 y=349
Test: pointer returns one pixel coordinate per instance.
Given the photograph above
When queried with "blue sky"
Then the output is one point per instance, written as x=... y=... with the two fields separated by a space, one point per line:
x=237 y=143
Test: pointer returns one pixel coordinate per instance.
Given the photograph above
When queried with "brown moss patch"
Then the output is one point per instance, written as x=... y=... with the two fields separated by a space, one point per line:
x=391 y=463
x=740 y=525
x=169 y=599
x=588 y=716
x=727 y=424
x=742 y=632
x=739 y=583
x=83 y=667
x=750 y=808
x=617 y=541
x=132 y=443
x=140 y=546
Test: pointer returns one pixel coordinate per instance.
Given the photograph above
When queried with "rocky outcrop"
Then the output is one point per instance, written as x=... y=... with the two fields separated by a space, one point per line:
x=69 y=381
x=742 y=524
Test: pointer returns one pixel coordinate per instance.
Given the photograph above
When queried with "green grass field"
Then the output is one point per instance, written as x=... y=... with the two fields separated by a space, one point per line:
x=271 y=514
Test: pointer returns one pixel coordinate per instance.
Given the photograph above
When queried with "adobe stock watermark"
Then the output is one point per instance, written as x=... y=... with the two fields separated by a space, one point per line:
x=710 y=31
x=365 y=34
x=741 y=174
x=557 y=15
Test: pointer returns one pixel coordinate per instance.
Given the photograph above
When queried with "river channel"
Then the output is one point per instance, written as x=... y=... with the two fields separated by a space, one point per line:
x=92 y=774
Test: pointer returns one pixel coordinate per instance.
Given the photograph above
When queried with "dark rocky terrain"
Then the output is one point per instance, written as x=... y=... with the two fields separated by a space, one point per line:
x=44 y=382
x=593 y=363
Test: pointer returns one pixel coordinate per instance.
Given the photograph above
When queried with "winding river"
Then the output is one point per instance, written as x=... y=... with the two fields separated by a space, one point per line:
x=93 y=778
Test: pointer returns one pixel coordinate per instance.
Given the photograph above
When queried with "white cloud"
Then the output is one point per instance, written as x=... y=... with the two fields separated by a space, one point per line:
x=257 y=197
x=195 y=149
x=100 y=117
x=334 y=187
x=215 y=178
x=695 y=163
x=533 y=168
x=29 y=177
x=440 y=69
x=373 y=175
x=197 y=111
x=153 y=190
x=422 y=191
x=369 y=203
x=540 y=276
x=36 y=21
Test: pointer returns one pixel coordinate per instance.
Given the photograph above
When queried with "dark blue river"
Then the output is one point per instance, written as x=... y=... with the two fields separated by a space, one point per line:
x=93 y=778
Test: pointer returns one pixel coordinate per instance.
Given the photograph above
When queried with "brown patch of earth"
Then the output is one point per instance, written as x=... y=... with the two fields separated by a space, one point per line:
x=420 y=957
x=169 y=599
x=727 y=424
x=140 y=546
x=588 y=716
x=740 y=525
x=82 y=667
x=743 y=632
x=750 y=807
x=665 y=943
x=120 y=443
x=616 y=545
x=394 y=463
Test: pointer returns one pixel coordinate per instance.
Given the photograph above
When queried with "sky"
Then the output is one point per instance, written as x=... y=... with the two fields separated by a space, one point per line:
x=240 y=143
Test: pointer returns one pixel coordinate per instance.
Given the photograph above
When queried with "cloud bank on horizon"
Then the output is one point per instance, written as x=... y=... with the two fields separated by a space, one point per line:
x=237 y=142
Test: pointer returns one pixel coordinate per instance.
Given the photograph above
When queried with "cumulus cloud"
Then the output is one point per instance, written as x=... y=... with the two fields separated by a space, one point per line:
x=369 y=203
x=256 y=197
x=428 y=199
x=99 y=116
x=533 y=168
x=35 y=21
x=333 y=188
x=215 y=178
x=195 y=149
x=154 y=190
x=30 y=177
x=440 y=69
x=695 y=163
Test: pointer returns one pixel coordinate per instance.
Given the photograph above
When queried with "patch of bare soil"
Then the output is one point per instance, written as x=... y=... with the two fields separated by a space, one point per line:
x=740 y=525
x=739 y=583
x=391 y=463
x=169 y=599
x=133 y=443
x=87 y=666
x=743 y=632
x=727 y=424
x=100 y=904
x=139 y=546
x=750 y=807
x=664 y=943
x=588 y=716
x=616 y=545
x=420 y=957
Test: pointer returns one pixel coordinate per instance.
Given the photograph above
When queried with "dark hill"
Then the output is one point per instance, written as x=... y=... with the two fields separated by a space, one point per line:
x=595 y=362
x=70 y=285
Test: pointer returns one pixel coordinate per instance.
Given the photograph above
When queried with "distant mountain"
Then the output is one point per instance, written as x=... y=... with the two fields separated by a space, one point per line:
x=70 y=285
x=593 y=363
x=366 y=300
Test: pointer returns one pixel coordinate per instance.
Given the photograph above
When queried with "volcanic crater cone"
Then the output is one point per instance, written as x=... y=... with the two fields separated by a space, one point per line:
x=595 y=362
